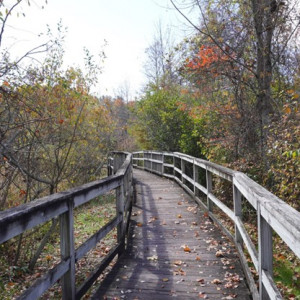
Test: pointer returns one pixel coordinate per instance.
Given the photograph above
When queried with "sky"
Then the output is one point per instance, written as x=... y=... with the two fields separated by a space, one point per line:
x=128 y=26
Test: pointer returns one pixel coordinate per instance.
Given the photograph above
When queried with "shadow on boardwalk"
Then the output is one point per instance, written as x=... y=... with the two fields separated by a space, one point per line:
x=174 y=251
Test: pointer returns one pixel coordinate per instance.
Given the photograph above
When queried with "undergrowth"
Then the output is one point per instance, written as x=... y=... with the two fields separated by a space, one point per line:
x=88 y=219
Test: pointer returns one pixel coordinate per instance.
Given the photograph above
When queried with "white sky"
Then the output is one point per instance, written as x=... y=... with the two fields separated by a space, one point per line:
x=127 y=25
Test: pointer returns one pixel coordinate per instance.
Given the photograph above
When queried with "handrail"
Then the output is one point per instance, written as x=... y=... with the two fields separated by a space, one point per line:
x=17 y=220
x=273 y=214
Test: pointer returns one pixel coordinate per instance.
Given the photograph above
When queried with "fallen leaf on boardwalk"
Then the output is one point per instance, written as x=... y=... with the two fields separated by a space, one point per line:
x=228 y=285
x=216 y=281
x=152 y=219
x=202 y=295
x=153 y=258
x=196 y=234
x=231 y=296
x=179 y=216
x=200 y=280
x=179 y=203
x=192 y=209
x=179 y=271
x=219 y=253
x=163 y=223
x=177 y=262
x=194 y=223
x=206 y=214
x=177 y=222
x=139 y=224
x=186 y=249
x=197 y=258
x=165 y=279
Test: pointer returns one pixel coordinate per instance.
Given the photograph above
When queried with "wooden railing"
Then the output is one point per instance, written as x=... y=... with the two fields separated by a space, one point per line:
x=272 y=213
x=17 y=220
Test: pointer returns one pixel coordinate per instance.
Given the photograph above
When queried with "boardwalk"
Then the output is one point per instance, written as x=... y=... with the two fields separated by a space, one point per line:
x=175 y=251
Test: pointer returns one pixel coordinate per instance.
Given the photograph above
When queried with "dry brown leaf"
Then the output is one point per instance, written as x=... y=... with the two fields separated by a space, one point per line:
x=165 y=279
x=198 y=258
x=219 y=253
x=177 y=262
x=186 y=249
x=216 y=281
x=202 y=295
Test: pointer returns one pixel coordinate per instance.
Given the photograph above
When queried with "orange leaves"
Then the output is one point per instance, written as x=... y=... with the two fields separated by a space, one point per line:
x=22 y=193
x=216 y=281
x=187 y=249
x=49 y=257
x=205 y=58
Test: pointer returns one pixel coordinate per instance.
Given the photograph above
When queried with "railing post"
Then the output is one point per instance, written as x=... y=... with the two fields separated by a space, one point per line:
x=195 y=177
x=67 y=251
x=265 y=249
x=237 y=203
x=120 y=212
x=174 y=172
x=162 y=165
x=209 y=190
x=109 y=166
x=182 y=169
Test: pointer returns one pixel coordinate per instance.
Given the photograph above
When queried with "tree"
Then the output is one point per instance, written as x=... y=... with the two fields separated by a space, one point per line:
x=163 y=123
x=253 y=46
x=160 y=63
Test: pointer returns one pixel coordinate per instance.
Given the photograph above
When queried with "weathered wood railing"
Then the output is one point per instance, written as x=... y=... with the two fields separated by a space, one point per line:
x=17 y=220
x=272 y=213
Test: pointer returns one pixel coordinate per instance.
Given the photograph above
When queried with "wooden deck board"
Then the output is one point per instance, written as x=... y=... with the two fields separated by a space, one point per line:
x=174 y=250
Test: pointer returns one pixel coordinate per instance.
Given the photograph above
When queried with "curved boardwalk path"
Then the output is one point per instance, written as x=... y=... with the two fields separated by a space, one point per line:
x=175 y=251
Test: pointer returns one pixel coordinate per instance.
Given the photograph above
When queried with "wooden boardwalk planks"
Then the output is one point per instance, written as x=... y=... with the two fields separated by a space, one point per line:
x=174 y=250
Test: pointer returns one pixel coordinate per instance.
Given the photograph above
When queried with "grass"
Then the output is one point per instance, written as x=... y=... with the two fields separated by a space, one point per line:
x=88 y=219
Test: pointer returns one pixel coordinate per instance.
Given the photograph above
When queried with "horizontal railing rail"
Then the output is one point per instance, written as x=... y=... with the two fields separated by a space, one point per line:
x=273 y=214
x=17 y=220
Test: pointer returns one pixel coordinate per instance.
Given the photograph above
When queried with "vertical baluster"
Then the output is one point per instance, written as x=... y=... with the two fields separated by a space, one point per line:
x=120 y=212
x=182 y=170
x=237 y=202
x=196 y=178
x=265 y=249
x=67 y=251
x=209 y=190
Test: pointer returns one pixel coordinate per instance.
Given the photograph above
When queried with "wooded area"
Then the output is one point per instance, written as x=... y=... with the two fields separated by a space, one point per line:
x=228 y=92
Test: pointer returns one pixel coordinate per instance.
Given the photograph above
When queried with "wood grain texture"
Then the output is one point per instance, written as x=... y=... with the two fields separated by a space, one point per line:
x=174 y=250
